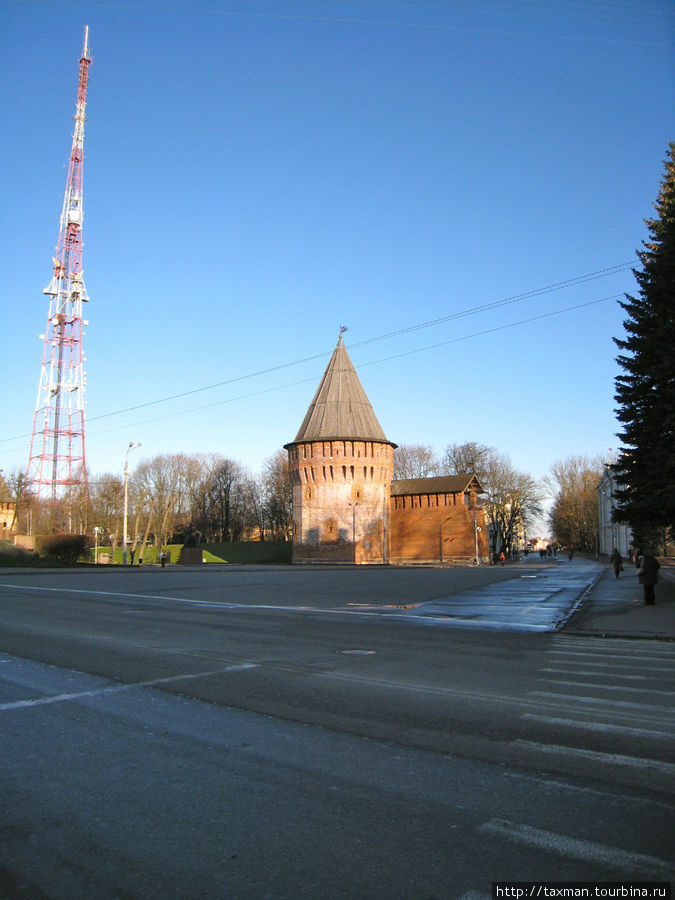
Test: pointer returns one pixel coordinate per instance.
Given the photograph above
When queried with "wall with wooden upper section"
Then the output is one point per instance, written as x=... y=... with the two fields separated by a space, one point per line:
x=437 y=528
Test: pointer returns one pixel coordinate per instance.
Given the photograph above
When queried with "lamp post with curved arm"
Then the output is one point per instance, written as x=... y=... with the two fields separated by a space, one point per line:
x=132 y=446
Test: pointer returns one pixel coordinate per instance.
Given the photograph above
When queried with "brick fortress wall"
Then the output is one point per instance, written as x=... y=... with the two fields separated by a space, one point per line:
x=341 y=506
x=436 y=527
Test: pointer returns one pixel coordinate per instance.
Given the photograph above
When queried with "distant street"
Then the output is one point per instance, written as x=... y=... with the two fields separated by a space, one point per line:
x=292 y=732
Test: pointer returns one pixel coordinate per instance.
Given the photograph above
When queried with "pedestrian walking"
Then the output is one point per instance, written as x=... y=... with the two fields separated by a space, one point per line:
x=648 y=575
x=502 y=558
x=617 y=562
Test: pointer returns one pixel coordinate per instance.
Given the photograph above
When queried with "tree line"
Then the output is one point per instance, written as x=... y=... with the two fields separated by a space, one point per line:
x=222 y=500
x=217 y=496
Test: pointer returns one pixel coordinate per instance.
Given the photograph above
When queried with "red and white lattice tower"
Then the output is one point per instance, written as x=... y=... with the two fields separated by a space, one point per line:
x=57 y=461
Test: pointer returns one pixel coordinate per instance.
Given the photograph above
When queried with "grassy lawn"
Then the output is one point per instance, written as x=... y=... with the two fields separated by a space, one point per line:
x=249 y=552
x=240 y=553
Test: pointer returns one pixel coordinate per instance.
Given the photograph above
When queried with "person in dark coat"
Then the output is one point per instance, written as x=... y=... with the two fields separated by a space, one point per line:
x=648 y=575
x=616 y=561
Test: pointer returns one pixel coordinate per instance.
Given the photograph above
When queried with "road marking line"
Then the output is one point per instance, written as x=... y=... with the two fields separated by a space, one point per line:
x=655 y=657
x=599 y=726
x=614 y=667
x=613 y=759
x=554 y=671
x=605 y=700
x=612 y=687
x=211 y=604
x=616 y=643
x=113 y=688
x=24 y=587
x=588 y=851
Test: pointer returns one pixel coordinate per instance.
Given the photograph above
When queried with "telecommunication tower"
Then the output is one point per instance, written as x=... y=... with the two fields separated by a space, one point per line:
x=57 y=462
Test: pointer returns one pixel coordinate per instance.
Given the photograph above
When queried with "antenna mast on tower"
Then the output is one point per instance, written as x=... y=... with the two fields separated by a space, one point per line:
x=57 y=461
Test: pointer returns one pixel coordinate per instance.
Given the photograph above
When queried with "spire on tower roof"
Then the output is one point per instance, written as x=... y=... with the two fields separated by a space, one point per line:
x=340 y=408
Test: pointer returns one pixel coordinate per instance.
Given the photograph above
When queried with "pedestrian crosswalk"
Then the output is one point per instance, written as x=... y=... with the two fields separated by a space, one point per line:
x=595 y=696
x=605 y=710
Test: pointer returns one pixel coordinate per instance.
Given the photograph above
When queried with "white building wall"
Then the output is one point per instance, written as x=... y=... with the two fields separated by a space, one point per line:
x=611 y=534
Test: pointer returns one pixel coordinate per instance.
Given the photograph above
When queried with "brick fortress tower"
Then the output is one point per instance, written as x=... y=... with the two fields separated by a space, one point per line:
x=341 y=466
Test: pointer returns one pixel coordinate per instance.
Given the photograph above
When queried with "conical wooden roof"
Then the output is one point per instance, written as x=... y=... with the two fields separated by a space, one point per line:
x=340 y=408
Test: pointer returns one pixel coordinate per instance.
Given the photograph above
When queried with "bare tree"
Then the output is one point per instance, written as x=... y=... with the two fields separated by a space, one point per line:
x=277 y=492
x=511 y=499
x=572 y=484
x=226 y=499
x=5 y=494
x=106 y=495
x=15 y=489
x=196 y=474
x=460 y=459
x=142 y=542
x=415 y=461
x=207 y=491
x=255 y=505
x=160 y=480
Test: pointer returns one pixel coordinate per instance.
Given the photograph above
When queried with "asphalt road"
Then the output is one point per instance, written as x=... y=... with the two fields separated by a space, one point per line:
x=295 y=733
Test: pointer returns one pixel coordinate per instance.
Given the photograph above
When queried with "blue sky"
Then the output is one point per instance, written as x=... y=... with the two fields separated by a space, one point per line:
x=260 y=172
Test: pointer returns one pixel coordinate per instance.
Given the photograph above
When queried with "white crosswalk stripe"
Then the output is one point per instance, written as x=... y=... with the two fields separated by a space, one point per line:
x=574 y=848
x=603 y=691
x=605 y=727
x=607 y=759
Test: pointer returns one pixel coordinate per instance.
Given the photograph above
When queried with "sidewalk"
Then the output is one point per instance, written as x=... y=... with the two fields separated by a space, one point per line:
x=616 y=608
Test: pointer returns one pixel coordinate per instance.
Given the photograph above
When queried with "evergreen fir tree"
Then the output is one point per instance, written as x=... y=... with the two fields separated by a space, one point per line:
x=645 y=391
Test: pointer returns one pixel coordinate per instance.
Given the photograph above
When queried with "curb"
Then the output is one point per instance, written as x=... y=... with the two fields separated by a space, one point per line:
x=581 y=599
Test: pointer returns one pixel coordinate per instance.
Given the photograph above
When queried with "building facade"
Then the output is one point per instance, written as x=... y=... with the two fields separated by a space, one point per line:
x=7 y=519
x=610 y=534
x=347 y=509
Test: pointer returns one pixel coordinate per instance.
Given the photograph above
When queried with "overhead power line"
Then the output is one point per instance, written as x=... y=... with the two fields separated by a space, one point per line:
x=473 y=310
x=313 y=379
x=516 y=298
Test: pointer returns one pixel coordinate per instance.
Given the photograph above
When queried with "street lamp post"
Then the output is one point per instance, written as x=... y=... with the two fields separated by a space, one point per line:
x=96 y=531
x=132 y=446
x=353 y=506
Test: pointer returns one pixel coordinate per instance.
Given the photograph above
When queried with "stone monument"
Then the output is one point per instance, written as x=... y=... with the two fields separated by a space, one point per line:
x=191 y=551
